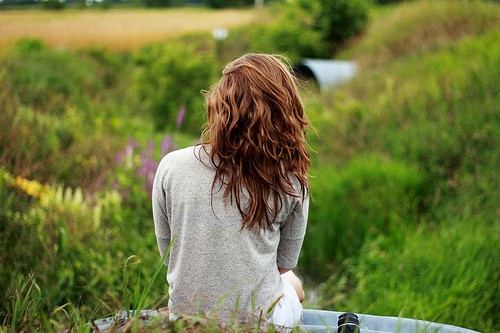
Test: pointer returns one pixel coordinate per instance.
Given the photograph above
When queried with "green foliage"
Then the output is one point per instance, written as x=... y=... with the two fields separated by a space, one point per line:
x=340 y=20
x=24 y=304
x=53 y=4
x=228 y=3
x=75 y=246
x=48 y=80
x=431 y=271
x=63 y=127
x=290 y=32
x=405 y=177
x=311 y=29
x=384 y=2
x=434 y=108
x=418 y=27
x=74 y=101
x=157 y=3
x=370 y=196
x=171 y=77
x=434 y=120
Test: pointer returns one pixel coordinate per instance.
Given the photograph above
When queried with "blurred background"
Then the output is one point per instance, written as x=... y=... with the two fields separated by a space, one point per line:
x=405 y=210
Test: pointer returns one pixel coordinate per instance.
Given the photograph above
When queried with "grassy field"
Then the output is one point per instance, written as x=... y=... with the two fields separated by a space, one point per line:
x=117 y=29
x=404 y=217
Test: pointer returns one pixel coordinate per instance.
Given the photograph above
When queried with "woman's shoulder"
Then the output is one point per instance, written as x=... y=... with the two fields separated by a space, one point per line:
x=192 y=156
x=179 y=156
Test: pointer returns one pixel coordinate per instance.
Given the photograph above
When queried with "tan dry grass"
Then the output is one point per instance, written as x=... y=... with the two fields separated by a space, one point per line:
x=117 y=29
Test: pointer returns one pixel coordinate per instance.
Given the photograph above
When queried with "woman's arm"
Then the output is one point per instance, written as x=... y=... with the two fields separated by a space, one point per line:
x=160 y=217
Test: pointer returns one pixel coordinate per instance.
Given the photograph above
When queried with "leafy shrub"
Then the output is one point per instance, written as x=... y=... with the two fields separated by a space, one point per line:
x=64 y=247
x=53 y=4
x=48 y=80
x=290 y=32
x=157 y=3
x=383 y=2
x=368 y=197
x=26 y=153
x=172 y=77
x=340 y=127
x=74 y=245
x=228 y=3
x=341 y=20
x=424 y=111
x=57 y=104
x=310 y=29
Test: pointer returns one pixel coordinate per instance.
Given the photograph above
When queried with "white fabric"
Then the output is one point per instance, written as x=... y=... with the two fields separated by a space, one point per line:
x=288 y=310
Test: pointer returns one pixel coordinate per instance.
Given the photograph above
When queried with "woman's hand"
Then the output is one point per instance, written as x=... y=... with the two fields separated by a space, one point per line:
x=294 y=280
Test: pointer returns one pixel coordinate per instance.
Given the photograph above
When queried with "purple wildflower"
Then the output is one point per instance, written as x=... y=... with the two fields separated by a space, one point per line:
x=147 y=154
x=132 y=143
x=99 y=181
x=151 y=146
x=118 y=157
x=123 y=194
x=165 y=144
x=129 y=156
x=180 y=116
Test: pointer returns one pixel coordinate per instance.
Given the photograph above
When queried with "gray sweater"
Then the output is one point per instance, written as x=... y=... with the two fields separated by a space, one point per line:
x=214 y=266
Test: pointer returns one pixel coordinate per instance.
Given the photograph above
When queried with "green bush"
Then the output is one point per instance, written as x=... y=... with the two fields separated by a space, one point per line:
x=368 y=197
x=435 y=112
x=228 y=3
x=310 y=29
x=78 y=248
x=290 y=33
x=340 y=20
x=53 y=4
x=157 y=3
x=48 y=80
x=170 y=78
x=384 y=2
x=57 y=104
x=38 y=144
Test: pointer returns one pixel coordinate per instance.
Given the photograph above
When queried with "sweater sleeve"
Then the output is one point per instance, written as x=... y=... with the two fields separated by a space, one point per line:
x=292 y=233
x=160 y=217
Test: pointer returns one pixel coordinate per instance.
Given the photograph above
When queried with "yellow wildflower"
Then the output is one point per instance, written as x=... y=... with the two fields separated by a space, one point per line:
x=30 y=187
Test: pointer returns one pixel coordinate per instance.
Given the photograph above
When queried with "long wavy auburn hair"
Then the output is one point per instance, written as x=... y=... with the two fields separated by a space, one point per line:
x=256 y=135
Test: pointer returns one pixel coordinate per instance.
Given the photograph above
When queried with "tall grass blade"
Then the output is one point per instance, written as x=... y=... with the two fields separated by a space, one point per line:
x=142 y=297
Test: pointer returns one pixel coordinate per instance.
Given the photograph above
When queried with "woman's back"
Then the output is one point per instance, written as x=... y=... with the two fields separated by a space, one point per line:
x=213 y=261
x=235 y=206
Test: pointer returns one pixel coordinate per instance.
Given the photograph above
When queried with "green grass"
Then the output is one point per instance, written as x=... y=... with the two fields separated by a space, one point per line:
x=449 y=267
x=369 y=197
x=414 y=28
x=427 y=99
x=404 y=213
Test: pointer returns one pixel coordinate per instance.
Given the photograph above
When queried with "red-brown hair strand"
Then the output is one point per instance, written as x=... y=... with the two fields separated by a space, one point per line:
x=256 y=137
